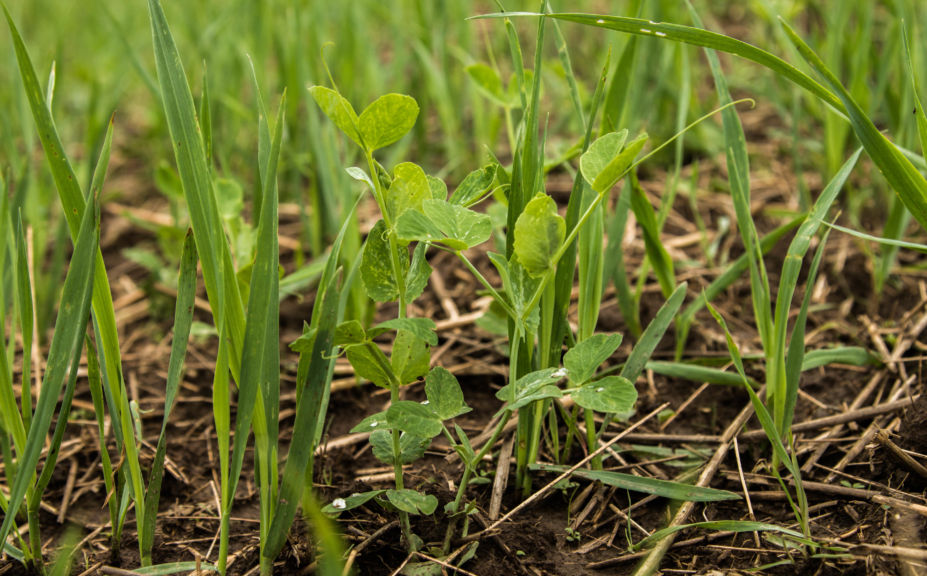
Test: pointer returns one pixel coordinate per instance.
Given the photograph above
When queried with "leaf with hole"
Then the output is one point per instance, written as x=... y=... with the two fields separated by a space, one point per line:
x=410 y=358
x=376 y=265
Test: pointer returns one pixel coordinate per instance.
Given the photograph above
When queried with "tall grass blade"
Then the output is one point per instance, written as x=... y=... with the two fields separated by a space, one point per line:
x=74 y=205
x=183 y=319
x=211 y=243
x=904 y=178
x=63 y=354
x=769 y=427
x=730 y=275
x=648 y=341
x=788 y=281
x=308 y=412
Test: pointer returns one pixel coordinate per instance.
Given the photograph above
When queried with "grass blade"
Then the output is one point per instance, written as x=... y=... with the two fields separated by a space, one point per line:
x=721 y=525
x=653 y=334
x=194 y=173
x=183 y=319
x=655 y=486
x=904 y=178
x=307 y=421
x=66 y=345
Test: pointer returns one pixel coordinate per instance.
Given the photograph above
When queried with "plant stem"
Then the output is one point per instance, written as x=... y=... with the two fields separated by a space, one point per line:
x=482 y=280
x=469 y=469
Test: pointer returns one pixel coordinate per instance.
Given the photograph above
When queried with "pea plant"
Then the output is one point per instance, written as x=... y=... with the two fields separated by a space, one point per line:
x=416 y=213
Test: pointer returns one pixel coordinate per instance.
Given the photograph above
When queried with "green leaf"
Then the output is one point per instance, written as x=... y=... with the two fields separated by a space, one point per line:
x=653 y=334
x=370 y=424
x=339 y=111
x=419 y=271
x=850 y=355
x=600 y=154
x=610 y=395
x=353 y=501
x=376 y=265
x=537 y=385
x=463 y=227
x=445 y=398
x=369 y=362
x=174 y=568
x=423 y=328
x=387 y=119
x=348 y=333
x=539 y=232
x=664 y=488
x=415 y=226
x=660 y=259
x=412 y=501
x=183 y=319
x=582 y=360
x=65 y=350
x=408 y=190
x=619 y=165
x=414 y=418
x=411 y=447
x=410 y=358
x=696 y=373
x=437 y=186
x=476 y=185
x=311 y=403
x=489 y=84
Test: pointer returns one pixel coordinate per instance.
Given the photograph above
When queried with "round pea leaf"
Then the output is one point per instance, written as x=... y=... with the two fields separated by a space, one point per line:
x=612 y=395
x=414 y=418
x=582 y=360
x=539 y=232
x=387 y=119
x=412 y=502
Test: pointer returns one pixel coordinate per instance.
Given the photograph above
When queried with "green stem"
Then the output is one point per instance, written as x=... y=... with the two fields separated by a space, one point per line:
x=35 y=534
x=380 y=196
x=482 y=280
x=469 y=469
x=591 y=441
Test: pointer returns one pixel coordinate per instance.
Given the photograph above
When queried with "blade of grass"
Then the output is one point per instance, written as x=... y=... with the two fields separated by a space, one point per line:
x=260 y=364
x=308 y=411
x=904 y=178
x=183 y=319
x=730 y=275
x=74 y=205
x=772 y=433
x=66 y=346
x=777 y=383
